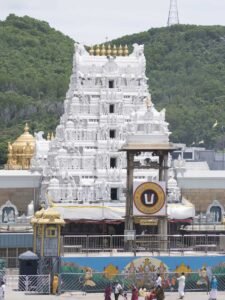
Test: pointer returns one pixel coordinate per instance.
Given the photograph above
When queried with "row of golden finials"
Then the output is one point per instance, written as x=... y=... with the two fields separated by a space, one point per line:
x=108 y=50
x=50 y=136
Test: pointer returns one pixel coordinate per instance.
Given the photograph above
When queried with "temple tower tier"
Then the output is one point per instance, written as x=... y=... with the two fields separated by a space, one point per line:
x=107 y=97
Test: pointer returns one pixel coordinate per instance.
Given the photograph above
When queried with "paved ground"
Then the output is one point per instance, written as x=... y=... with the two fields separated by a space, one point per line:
x=79 y=296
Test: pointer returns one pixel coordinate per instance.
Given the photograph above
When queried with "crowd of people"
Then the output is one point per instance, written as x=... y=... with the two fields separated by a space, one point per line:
x=157 y=292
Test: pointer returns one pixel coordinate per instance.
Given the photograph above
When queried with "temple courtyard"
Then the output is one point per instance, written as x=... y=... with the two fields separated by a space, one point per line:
x=11 y=295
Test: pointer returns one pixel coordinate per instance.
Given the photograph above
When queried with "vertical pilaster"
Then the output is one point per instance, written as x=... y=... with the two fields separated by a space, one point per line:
x=129 y=220
x=160 y=166
x=163 y=222
x=129 y=202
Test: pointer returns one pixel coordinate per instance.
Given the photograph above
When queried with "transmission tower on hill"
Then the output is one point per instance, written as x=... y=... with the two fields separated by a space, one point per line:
x=173 y=17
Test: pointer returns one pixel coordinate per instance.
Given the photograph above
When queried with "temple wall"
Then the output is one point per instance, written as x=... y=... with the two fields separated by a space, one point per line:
x=202 y=198
x=20 y=197
x=139 y=270
x=127 y=264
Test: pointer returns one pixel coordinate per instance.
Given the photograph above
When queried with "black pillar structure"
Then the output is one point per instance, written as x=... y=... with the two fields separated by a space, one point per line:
x=162 y=152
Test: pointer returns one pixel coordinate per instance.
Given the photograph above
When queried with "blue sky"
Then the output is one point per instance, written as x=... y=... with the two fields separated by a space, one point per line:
x=94 y=21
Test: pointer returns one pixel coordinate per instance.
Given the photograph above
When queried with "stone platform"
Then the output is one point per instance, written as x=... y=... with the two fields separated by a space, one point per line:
x=10 y=295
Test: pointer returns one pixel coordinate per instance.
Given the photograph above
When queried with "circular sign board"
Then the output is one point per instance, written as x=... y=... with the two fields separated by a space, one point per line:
x=149 y=198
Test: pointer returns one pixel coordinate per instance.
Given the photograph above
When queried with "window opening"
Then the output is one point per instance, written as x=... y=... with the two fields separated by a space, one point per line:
x=112 y=133
x=111 y=108
x=111 y=84
x=112 y=162
x=114 y=194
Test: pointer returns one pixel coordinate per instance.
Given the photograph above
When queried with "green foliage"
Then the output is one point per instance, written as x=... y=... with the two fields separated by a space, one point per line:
x=185 y=67
x=35 y=67
x=186 y=71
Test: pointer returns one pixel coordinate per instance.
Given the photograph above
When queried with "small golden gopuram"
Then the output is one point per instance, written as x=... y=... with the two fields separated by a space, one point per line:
x=21 y=151
x=109 y=50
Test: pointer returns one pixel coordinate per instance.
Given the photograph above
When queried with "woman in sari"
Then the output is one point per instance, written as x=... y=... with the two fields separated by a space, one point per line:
x=108 y=291
x=151 y=295
x=134 y=293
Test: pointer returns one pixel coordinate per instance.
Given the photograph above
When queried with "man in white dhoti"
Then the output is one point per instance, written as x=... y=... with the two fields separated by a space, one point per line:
x=181 y=285
x=158 y=281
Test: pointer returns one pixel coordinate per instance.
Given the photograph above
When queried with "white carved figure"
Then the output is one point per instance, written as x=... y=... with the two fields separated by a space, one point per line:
x=138 y=50
x=11 y=215
x=30 y=209
x=5 y=217
x=39 y=135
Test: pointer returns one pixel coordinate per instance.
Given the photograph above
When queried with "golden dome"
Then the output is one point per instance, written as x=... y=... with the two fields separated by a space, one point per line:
x=24 y=139
x=21 y=151
x=51 y=214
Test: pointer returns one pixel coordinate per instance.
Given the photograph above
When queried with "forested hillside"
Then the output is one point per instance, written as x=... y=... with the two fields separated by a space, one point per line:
x=185 y=67
x=35 y=67
x=186 y=71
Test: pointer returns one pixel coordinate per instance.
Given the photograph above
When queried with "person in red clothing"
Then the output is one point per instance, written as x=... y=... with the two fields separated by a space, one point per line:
x=108 y=292
x=151 y=295
x=134 y=293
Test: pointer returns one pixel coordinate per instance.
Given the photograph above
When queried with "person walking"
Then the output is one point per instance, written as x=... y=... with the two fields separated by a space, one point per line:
x=118 y=290
x=1 y=291
x=108 y=292
x=181 y=285
x=134 y=293
x=158 y=281
x=213 y=292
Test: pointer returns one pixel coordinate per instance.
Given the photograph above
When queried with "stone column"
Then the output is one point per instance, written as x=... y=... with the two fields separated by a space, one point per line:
x=129 y=221
x=163 y=222
x=160 y=166
x=129 y=201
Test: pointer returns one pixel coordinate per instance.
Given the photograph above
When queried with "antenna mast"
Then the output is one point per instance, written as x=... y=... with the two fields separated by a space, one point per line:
x=173 y=17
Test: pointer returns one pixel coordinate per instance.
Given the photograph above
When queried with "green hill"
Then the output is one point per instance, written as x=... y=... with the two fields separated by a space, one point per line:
x=186 y=71
x=185 y=67
x=35 y=67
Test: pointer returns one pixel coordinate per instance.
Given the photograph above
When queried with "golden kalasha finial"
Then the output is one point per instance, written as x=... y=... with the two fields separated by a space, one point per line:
x=103 y=51
x=120 y=51
x=109 y=50
x=92 y=51
x=114 y=50
x=97 y=50
x=48 y=136
x=126 y=52
x=52 y=136
x=26 y=128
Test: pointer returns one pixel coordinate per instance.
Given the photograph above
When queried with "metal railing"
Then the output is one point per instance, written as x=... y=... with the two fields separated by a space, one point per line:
x=143 y=243
x=97 y=282
x=38 y=284
x=11 y=262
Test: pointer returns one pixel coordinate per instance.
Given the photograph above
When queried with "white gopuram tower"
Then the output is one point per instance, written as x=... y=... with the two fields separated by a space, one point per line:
x=108 y=93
